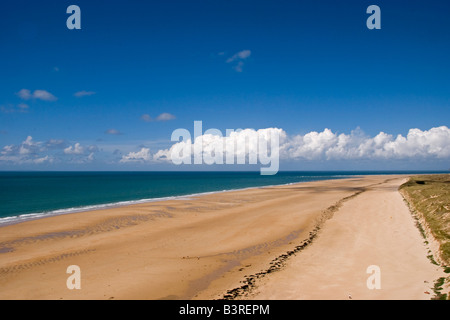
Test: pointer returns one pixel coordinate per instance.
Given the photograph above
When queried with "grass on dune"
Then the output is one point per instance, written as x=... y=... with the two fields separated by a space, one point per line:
x=429 y=196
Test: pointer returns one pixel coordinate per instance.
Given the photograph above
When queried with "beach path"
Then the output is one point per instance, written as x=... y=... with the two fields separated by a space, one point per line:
x=372 y=239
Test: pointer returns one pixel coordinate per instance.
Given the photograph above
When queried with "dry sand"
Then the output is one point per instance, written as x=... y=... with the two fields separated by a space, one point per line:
x=202 y=248
x=373 y=229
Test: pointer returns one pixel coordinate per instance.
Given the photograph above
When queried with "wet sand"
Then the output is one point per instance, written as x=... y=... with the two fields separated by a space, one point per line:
x=262 y=243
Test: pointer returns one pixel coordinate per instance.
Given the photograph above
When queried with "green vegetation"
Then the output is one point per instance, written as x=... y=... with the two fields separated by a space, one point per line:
x=438 y=288
x=429 y=197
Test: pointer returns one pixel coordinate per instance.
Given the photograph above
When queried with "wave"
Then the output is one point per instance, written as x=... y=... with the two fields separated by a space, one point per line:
x=39 y=215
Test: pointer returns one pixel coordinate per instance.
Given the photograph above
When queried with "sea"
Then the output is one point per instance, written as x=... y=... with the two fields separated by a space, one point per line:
x=33 y=195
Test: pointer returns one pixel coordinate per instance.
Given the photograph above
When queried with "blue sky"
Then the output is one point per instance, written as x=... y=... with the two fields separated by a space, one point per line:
x=303 y=66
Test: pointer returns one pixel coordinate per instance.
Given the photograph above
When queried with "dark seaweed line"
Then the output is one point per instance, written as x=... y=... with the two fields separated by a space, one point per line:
x=279 y=262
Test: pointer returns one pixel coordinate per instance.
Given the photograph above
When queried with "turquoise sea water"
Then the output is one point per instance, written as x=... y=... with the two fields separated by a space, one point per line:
x=27 y=195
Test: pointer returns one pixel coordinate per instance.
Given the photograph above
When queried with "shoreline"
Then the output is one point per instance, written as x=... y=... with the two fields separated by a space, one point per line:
x=11 y=220
x=158 y=250
x=15 y=219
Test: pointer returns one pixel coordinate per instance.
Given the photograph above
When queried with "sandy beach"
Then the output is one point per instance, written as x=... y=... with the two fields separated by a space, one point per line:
x=311 y=240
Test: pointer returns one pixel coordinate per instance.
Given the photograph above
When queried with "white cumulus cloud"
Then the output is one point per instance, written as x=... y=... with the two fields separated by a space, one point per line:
x=240 y=145
x=75 y=149
x=141 y=156
x=165 y=117
x=27 y=152
x=326 y=145
x=44 y=95
x=332 y=146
